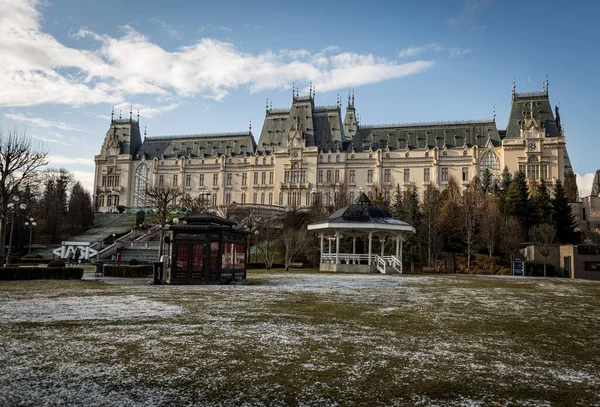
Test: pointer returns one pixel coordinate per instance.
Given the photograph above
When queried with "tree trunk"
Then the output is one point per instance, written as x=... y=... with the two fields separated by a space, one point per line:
x=544 y=266
x=160 y=245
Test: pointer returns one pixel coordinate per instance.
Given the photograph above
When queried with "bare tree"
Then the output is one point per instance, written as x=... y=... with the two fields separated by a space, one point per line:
x=469 y=218
x=544 y=237
x=295 y=241
x=21 y=160
x=265 y=240
x=489 y=227
x=593 y=239
x=163 y=200
x=195 y=205
x=512 y=236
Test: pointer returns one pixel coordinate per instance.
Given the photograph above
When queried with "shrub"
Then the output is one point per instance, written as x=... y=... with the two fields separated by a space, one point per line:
x=34 y=260
x=40 y=273
x=123 y=270
x=133 y=262
x=56 y=263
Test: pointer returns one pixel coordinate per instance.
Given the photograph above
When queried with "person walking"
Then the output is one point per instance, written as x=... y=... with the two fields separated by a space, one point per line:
x=70 y=257
x=113 y=258
x=118 y=257
x=77 y=255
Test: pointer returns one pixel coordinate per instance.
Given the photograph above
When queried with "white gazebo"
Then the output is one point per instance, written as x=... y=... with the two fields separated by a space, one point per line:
x=361 y=219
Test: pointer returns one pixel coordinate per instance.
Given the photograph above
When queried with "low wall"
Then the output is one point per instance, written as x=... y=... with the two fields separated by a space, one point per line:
x=348 y=268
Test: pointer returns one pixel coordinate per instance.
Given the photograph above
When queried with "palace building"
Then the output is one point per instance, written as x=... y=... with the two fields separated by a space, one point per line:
x=307 y=150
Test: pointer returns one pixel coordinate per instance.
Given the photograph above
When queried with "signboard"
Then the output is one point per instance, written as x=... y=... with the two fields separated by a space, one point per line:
x=70 y=247
x=592 y=266
x=518 y=267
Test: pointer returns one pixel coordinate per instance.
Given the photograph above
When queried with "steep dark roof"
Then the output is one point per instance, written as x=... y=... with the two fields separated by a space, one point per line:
x=363 y=211
x=319 y=125
x=421 y=135
x=542 y=112
x=197 y=145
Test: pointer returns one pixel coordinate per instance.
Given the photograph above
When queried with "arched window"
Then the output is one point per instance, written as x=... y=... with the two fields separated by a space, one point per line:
x=281 y=198
x=243 y=198
x=533 y=159
x=351 y=197
x=337 y=158
x=256 y=161
x=489 y=161
x=101 y=201
x=264 y=160
x=141 y=182
x=262 y=198
x=228 y=198
x=272 y=160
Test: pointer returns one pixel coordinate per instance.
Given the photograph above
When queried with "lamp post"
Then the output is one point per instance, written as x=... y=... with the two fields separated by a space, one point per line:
x=12 y=210
x=30 y=224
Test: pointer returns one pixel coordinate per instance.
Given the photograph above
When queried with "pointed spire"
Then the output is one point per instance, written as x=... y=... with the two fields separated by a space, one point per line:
x=112 y=114
x=120 y=117
x=145 y=131
x=547 y=83
x=267 y=106
x=138 y=115
x=314 y=92
x=250 y=126
x=270 y=105
x=494 y=115
x=130 y=112
x=348 y=97
x=352 y=97
x=310 y=90
x=293 y=90
x=514 y=87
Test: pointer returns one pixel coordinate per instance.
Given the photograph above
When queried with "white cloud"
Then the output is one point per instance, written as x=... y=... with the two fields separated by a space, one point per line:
x=454 y=52
x=414 y=51
x=86 y=178
x=169 y=28
x=37 y=69
x=145 y=110
x=584 y=184
x=61 y=160
x=41 y=123
x=467 y=16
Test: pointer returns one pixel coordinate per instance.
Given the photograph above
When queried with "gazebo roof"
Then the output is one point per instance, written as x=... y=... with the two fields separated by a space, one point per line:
x=362 y=215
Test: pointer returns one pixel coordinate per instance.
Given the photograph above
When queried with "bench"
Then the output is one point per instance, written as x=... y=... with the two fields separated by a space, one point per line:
x=296 y=265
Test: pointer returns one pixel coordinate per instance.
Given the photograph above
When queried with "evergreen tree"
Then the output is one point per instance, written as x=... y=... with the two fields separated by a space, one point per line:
x=431 y=236
x=502 y=189
x=80 y=216
x=541 y=204
x=517 y=202
x=562 y=216
x=487 y=182
x=570 y=187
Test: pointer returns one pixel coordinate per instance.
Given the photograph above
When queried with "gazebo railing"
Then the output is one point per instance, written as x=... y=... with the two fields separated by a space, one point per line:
x=346 y=258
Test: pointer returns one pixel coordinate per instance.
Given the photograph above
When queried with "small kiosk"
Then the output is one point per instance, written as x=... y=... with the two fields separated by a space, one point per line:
x=207 y=250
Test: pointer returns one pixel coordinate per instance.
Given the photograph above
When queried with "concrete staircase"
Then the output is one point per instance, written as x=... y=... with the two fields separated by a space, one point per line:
x=141 y=255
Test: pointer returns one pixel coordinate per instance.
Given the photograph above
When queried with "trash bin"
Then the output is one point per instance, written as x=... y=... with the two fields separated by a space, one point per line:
x=159 y=268
x=99 y=268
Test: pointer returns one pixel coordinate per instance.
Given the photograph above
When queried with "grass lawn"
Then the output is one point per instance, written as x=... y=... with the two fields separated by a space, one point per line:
x=302 y=339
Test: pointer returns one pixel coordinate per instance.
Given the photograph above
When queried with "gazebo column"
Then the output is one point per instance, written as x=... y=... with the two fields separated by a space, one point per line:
x=382 y=241
x=354 y=249
x=337 y=248
x=321 y=261
x=401 y=243
x=398 y=246
x=329 y=240
x=370 y=246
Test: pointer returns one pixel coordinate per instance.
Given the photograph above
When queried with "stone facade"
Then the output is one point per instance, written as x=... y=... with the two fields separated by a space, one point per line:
x=307 y=150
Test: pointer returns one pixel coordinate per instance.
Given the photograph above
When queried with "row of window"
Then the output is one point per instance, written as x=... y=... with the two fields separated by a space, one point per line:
x=534 y=171
x=110 y=181
x=111 y=201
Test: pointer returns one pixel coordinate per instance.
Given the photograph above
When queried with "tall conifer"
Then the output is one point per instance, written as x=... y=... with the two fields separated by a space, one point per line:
x=562 y=216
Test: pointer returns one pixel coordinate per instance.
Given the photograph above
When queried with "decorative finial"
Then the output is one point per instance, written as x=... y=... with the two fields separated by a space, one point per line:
x=352 y=97
x=314 y=92
x=310 y=90
x=250 y=126
x=130 y=112
x=120 y=117
x=531 y=109
x=293 y=90
x=349 y=97
x=138 y=115
x=112 y=113
x=267 y=106
x=144 y=131
x=494 y=115
x=514 y=87
x=547 y=83
x=271 y=105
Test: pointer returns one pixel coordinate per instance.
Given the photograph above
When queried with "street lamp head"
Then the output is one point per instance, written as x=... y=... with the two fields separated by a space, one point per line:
x=175 y=221
x=23 y=206
x=33 y=224
x=26 y=223
x=31 y=219
x=16 y=198
x=114 y=234
x=10 y=205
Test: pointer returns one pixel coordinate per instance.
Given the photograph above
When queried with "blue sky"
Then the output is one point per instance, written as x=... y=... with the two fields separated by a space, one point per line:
x=197 y=67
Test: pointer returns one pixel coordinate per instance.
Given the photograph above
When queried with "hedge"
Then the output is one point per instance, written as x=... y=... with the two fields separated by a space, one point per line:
x=40 y=273
x=33 y=260
x=125 y=270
